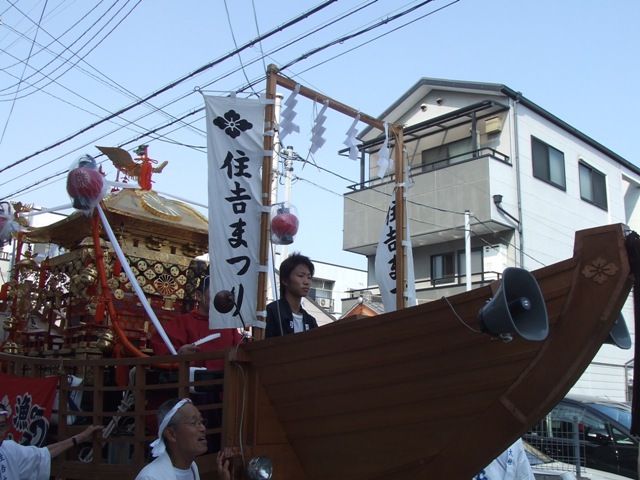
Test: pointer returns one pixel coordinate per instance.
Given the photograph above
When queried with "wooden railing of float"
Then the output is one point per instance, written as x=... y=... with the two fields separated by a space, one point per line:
x=122 y=452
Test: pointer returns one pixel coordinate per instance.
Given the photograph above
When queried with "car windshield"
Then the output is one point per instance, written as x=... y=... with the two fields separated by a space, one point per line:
x=620 y=413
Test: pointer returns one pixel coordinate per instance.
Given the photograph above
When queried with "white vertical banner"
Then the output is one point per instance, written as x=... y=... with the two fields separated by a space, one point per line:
x=235 y=151
x=386 y=260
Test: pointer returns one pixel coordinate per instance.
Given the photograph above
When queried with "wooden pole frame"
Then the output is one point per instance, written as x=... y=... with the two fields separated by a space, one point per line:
x=274 y=78
x=401 y=205
x=267 y=174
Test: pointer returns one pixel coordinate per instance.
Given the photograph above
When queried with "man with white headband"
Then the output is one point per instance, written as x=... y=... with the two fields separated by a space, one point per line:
x=181 y=438
x=20 y=462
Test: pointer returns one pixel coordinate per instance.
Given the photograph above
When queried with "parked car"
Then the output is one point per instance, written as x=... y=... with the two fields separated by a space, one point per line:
x=546 y=468
x=599 y=426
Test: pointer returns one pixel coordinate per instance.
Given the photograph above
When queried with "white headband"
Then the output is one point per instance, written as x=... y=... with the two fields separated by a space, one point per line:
x=4 y=412
x=158 y=447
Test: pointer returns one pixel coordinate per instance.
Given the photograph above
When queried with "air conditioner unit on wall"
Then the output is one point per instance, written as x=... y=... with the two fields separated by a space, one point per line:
x=493 y=125
x=324 y=302
x=494 y=259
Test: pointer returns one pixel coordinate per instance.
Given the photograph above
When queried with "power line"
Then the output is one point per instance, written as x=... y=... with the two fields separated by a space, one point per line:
x=507 y=242
x=255 y=19
x=423 y=222
x=233 y=37
x=131 y=141
x=68 y=48
x=326 y=25
x=54 y=80
x=377 y=38
x=175 y=83
x=13 y=103
x=73 y=92
x=102 y=78
x=357 y=34
x=334 y=42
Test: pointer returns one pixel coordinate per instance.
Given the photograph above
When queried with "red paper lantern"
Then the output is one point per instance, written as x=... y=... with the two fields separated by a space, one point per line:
x=85 y=186
x=284 y=226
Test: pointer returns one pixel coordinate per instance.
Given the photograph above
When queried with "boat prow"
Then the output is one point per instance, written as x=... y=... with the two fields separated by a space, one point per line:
x=417 y=393
x=421 y=392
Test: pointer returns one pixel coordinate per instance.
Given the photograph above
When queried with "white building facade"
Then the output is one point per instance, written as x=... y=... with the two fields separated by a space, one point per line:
x=527 y=179
x=333 y=283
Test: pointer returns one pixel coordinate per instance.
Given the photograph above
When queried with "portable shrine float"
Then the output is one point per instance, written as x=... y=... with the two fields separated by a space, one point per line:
x=436 y=389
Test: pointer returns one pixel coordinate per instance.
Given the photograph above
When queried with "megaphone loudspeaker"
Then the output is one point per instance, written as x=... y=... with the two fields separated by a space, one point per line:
x=619 y=334
x=517 y=307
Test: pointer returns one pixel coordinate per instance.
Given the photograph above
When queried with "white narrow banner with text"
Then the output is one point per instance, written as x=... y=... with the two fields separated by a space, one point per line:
x=385 y=263
x=235 y=129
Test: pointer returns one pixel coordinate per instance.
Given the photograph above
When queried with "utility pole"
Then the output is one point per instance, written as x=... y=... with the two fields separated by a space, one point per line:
x=290 y=155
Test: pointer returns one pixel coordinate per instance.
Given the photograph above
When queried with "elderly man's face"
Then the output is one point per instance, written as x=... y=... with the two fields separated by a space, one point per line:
x=189 y=433
x=4 y=427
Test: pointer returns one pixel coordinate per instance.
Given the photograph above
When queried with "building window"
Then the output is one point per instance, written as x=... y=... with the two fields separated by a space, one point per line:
x=322 y=292
x=443 y=268
x=450 y=267
x=321 y=288
x=447 y=154
x=593 y=187
x=548 y=163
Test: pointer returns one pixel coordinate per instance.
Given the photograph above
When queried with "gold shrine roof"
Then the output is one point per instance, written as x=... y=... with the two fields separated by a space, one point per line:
x=137 y=212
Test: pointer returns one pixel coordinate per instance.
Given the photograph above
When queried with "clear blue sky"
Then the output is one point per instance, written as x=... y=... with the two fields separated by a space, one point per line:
x=577 y=59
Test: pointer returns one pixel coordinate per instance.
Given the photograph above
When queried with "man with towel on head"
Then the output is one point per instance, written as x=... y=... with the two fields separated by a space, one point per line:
x=181 y=438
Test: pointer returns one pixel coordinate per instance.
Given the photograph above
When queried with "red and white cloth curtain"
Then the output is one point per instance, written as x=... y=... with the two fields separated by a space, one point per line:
x=29 y=402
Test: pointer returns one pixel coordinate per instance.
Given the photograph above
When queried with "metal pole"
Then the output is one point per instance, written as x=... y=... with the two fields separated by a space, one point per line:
x=576 y=446
x=401 y=250
x=467 y=248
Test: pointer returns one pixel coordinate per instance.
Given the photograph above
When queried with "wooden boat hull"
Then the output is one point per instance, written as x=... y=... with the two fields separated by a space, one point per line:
x=413 y=394
x=416 y=394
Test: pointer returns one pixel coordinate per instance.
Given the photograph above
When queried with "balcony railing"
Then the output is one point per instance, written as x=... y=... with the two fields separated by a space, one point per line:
x=437 y=165
x=477 y=278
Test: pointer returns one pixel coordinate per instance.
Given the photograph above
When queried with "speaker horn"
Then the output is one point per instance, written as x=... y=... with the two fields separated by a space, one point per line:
x=517 y=307
x=619 y=334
